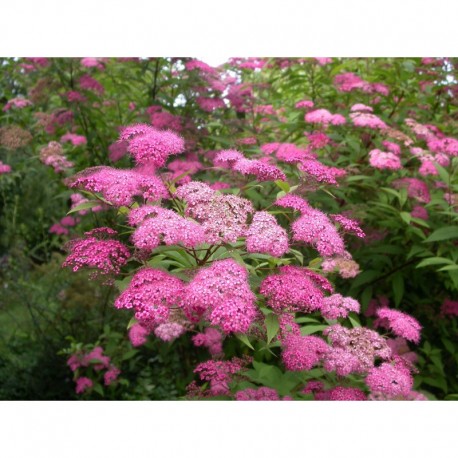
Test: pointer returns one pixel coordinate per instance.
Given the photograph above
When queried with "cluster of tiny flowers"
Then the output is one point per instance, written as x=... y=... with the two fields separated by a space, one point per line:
x=294 y=289
x=149 y=145
x=199 y=65
x=91 y=84
x=313 y=227
x=151 y=293
x=349 y=225
x=419 y=212
x=18 y=102
x=223 y=217
x=390 y=381
x=74 y=139
x=98 y=361
x=383 y=160
x=301 y=353
x=156 y=225
x=322 y=173
x=400 y=347
x=399 y=323
x=53 y=156
x=354 y=350
x=324 y=117
x=4 y=168
x=416 y=188
x=119 y=186
x=257 y=394
x=14 y=137
x=91 y=62
x=337 y=306
x=163 y=119
x=317 y=140
x=234 y=160
x=61 y=228
x=364 y=119
x=265 y=235
x=170 y=331
x=305 y=104
x=212 y=339
x=343 y=264
x=210 y=104
x=347 y=82
x=361 y=108
x=97 y=251
x=138 y=335
x=222 y=295
x=219 y=374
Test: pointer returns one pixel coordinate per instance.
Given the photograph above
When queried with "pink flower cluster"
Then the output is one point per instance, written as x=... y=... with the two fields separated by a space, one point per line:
x=416 y=188
x=257 y=394
x=156 y=225
x=337 y=306
x=302 y=353
x=221 y=294
x=449 y=307
x=364 y=119
x=223 y=217
x=347 y=82
x=384 y=161
x=314 y=227
x=349 y=225
x=305 y=104
x=91 y=84
x=234 y=160
x=119 y=186
x=53 y=155
x=18 y=102
x=399 y=323
x=151 y=146
x=295 y=289
x=4 y=168
x=390 y=380
x=61 y=228
x=266 y=236
x=324 y=117
x=97 y=251
x=98 y=361
x=343 y=264
x=212 y=339
x=210 y=103
x=74 y=139
x=153 y=294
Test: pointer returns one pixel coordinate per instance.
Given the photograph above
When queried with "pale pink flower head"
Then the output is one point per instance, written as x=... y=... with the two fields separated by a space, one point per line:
x=341 y=393
x=212 y=339
x=170 y=331
x=364 y=119
x=392 y=147
x=111 y=375
x=399 y=323
x=117 y=150
x=266 y=236
x=91 y=62
x=384 y=161
x=361 y=108
x=324 y=117
x=337 y=306
x=323 y=60
x=18 y=102
x=4 y=168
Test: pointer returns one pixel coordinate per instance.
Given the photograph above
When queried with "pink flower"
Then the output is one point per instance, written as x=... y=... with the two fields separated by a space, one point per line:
x=17 y=102
x=92 y=62
x=305 y=104
x=324 y=117
x=260 y=394
x=75 y=96
x=389 y=380
x=212 y=339
x=340 y=393
x=4 y=168
x=265 y=236
x=361 y=108
x=138 y=335
x=170 y=331
x=449 y=307
x=349 y=225
x=88 y=82
x=416 y=188
x=83 y=384
x=362 y=119
x=400 y=323
x=111 y=375
x=337 y=306
x=419 y=212
x=74 y=139
x=382 y=160
x=301 y=353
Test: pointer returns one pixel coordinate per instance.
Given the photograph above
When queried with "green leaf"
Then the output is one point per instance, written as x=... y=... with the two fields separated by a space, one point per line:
x=354 y=320
x=312 y=328
x=131 y=322
x=405 y=216
x=84 y=206
x=283 y=185
x=398 y=287
x=244 y=338
x=434 y=261
x=444 y=233
x=272 y=326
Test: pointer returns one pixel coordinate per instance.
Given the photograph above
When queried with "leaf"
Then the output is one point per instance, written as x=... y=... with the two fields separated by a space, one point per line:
x=354 y=320
x=405 y=216
x=444 y=233
x=84 y=206
x=131 y=322
x=365 y=277
x=283 y=185
x=312 y=328
x=272 y=326
x=434 y=261
x=244 y=338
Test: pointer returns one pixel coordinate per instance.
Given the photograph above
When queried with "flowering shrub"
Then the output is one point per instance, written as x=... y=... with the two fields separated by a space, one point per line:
x=292 y=222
